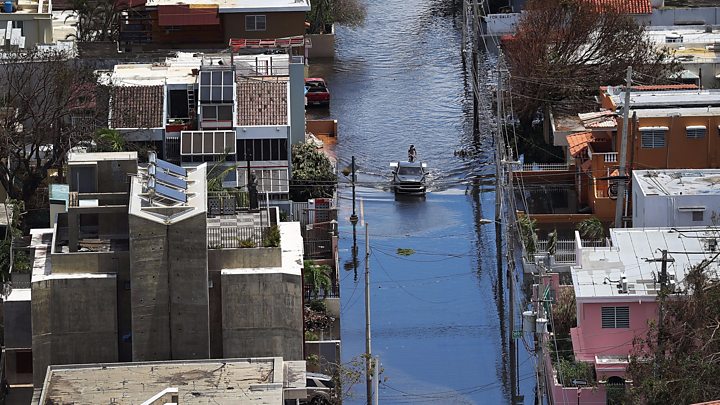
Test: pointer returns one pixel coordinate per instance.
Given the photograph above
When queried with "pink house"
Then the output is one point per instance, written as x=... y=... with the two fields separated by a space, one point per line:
x=616 y=289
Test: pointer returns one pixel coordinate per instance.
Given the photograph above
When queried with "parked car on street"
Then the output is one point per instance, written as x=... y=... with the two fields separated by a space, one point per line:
x=316 y=91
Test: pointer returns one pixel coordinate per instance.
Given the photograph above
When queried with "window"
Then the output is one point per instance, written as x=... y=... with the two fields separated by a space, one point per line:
x=615 y=317
x=217 y=116
x=178 y=104
x=653 y=137
x=207 y=142
x=673 y=38
x=20 y=25
x=262 y=149
x=255 y=23
x=216 y=86
x=269 y=180
x=697 y=216
x=696 y=132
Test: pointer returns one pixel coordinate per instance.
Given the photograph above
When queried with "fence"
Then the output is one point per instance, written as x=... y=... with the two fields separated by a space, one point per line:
x=333 y=292
x=545 y=167
x=565 y=249
x=230 y=237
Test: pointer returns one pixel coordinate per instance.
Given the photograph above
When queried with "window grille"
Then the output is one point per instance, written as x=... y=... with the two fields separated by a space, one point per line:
x=255 y=23
x=653 y=138
x=615 y=317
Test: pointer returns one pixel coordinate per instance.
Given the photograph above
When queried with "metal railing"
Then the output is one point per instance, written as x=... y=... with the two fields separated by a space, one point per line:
x=333 y=292
x=565 y=250
x=232 y=237
x=544 y=167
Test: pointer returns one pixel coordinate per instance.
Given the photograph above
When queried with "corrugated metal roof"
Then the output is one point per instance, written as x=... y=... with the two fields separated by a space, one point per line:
x=262 y=102
x=137 y=106
x=626 y=6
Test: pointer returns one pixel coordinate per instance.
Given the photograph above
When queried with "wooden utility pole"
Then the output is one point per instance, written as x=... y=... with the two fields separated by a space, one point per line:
x=510 y=273
x=368 y=346
x=622 y=175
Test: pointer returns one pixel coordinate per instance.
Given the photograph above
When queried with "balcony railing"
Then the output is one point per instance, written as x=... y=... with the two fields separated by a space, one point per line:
x=545 y=167
x=608 y=157
x=565 y=250
x=333 y=292
x=232 y=237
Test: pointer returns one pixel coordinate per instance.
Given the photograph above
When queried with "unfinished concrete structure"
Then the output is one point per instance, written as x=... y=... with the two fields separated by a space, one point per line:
x=126 y=274
x=228 y=381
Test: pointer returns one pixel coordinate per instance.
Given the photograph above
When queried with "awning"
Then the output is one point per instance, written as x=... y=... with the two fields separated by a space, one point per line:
x=653 y=128
x=578 y=143
x=695 y=127
x=183 y=15
x=691 y=209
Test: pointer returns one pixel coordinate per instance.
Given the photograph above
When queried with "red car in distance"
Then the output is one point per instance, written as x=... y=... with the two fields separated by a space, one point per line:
x=316 y=91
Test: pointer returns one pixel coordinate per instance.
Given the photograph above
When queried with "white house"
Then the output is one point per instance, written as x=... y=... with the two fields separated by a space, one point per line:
x=675 y=197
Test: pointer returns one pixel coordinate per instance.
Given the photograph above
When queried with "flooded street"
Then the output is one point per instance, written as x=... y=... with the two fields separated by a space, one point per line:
x=438 y=315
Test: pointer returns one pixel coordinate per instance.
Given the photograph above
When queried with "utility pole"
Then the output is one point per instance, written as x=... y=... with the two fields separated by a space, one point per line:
x=510 y=273
x=663 y=279
x=354 y=220
x=622 y=175
x=368 y=351
x=376 y=380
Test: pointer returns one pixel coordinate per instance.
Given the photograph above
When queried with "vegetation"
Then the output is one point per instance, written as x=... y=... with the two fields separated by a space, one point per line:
x=591 y=229
x=20 y=262
x=564 y=50
x=109 y=140
x=405 y=252
x=326 y=12
x=528 y=234
x=313 y=175
x=569 y=370
x=681 y=362
x=272 y=237
x=39 y=92
x=564 y=311
x=97 y=20
x=317 y=276
x=246 y=243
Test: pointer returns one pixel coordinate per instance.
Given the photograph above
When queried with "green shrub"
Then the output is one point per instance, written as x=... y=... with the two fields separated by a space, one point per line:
x=569 y=370
x=318 y=306
x=247 y=243
x=272 y=237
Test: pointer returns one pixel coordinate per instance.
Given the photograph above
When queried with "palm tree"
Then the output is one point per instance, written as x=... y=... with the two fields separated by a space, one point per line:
x=591 y=228
x=317 y=276
x=109 y=140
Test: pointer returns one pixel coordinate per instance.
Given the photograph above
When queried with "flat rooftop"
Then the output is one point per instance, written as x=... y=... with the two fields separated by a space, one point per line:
x=601 y=270
x=83 y=158
x=677 y=112
x=660 y=99
x=691 y=34
x=226 y=381
x=678 y=182
x=241 y=6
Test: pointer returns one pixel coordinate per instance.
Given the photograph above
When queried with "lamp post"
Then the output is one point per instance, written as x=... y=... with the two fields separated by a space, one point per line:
x=353 y=217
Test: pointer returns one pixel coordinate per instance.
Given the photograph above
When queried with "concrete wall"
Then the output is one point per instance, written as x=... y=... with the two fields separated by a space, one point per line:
x=18 y=333
x=323 y=45
x=663 y=211
x=262 y=315
x=685 y=16
x=150 y=303
x=188 y=283
x=297 y=104
x=74 y=321
x=245 y=258
x=278 y=25
x=89 y=262
x=169 y=296
x=37 y=28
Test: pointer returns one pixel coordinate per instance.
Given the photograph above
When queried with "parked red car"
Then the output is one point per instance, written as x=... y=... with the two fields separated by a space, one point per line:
x=316 y=92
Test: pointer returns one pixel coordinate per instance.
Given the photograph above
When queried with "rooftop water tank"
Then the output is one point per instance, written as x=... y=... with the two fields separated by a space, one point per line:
x=8 y=6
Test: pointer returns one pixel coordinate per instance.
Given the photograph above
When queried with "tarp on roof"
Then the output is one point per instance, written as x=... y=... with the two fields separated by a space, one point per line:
x=180 y=15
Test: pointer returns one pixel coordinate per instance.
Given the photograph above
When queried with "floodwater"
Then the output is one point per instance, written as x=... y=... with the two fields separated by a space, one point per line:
x=439 y=314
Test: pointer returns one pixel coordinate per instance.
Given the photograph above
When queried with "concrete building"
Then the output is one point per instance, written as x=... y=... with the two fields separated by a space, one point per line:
x=675 y=198
x=193 y=108
x=616 y=295
x=136 y=270
x=171 y=24
x=35 y=24
x=227 y=381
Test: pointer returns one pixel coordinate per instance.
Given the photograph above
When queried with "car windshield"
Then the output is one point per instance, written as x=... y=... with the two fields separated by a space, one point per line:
x=409 y=171
x=317 y=90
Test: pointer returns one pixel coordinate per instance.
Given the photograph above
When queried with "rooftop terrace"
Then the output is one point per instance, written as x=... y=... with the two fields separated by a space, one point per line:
x=678 y=182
